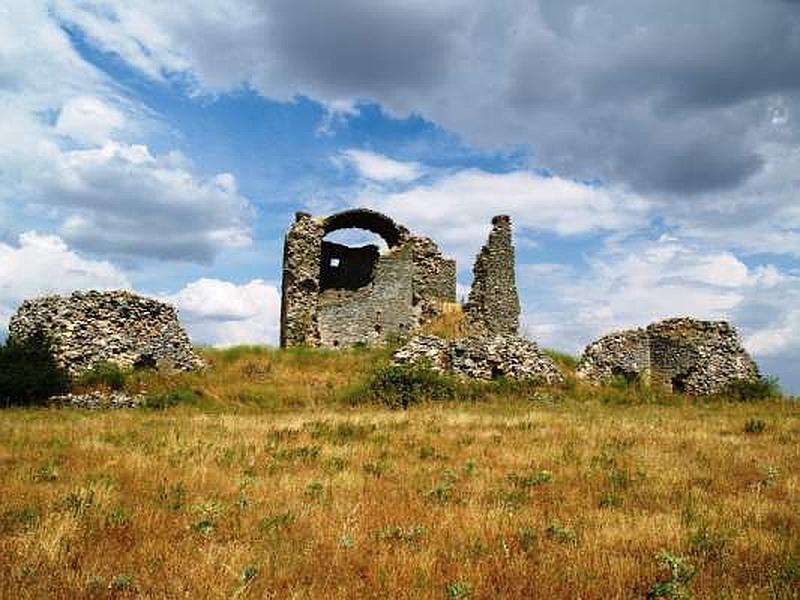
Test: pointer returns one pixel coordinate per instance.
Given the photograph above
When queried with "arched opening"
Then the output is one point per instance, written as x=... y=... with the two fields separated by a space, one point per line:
x=354 y=240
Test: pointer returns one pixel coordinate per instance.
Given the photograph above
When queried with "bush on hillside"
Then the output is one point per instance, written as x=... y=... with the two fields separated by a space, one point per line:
x=29 y=374
x=402 y=385
x=103 y=374
x=749 y=391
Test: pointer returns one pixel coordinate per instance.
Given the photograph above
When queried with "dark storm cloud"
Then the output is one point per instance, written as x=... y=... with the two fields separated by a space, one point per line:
x=670 y=97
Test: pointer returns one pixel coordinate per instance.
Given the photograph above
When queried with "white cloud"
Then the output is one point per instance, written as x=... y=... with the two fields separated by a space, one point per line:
x=456 y=209
x=222 y=313
x=43 y=264
x=382 y=168
x=89 y=120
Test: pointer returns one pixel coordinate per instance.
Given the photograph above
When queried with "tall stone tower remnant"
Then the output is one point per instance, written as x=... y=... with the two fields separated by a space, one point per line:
x=493 y=303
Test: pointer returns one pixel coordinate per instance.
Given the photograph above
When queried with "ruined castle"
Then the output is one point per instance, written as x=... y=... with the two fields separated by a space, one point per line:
x=335 y=295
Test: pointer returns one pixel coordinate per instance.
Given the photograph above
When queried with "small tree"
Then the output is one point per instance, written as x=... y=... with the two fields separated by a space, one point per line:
x=29 y=373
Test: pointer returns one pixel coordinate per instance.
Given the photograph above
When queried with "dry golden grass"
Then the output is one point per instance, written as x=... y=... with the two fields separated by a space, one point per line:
x=269 y=485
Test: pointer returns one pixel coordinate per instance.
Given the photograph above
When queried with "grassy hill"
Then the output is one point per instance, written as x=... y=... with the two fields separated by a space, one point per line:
x=276 y=474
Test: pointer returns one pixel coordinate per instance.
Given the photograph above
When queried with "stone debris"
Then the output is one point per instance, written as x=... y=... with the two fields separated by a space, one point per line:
x=117 y=326
x=682 y=354
x=98 y=400
x=493 y=303
x=481 y=357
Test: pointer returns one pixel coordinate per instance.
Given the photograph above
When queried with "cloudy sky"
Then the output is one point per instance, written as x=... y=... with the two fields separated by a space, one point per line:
x=648 y=152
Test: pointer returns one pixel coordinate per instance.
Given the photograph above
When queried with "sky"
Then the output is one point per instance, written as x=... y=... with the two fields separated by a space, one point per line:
x=648 y=152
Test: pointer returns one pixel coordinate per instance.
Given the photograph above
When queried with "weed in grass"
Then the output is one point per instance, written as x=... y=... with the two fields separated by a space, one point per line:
x=681 y=573
x=334 y=465
x=23 y=520
x=118 y=517
x=376 y=468
x=208 y=513
x=770 y=475
x=347 y=540
x=458 y=590
x=560 y=533
x=45 y=473
x=246 y=577
x=441 y=492
x=120 y=583
x=754 y=426
x=609 y=500
x=94 y=583
x=531 y=479
x=77 y=503
x=276 y=522
x=408 y=535
x=165 y=399
x=708 y=542
x=172 y=497
x=315 y=490
x=527 y=538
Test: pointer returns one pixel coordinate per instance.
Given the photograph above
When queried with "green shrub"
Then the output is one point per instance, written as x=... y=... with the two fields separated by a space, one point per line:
x=402 y=385
x=103 y=374
x=29 y=374
x=169 y=398
x=745 y=390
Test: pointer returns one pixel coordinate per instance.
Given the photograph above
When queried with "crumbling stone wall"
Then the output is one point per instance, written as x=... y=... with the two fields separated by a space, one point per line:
x=493 y=303
x=301 y=271
x=372 y=313
x=686 y=355
x=117 y=326
x=481 y=357
x=334 y=295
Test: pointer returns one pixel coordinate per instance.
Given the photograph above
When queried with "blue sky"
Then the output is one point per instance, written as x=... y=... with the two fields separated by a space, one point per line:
x=649 y=155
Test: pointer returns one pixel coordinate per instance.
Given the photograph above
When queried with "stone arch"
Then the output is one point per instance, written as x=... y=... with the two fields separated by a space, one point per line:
x=369 y=220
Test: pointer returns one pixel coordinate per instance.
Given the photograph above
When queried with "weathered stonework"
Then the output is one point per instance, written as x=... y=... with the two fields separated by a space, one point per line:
x=493 y=303
x=481 y=357
x=685 y=355
x=118 y=327
x=334 y=295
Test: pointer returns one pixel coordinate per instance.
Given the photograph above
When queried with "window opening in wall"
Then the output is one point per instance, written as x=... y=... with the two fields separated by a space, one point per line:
x=334 y=262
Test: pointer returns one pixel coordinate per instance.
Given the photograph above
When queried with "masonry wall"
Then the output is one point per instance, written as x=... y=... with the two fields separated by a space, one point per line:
x=119 y=326
x=301 y=271
x=335 y=295
x=493 y=303
x=380 y=310
x=682 y=354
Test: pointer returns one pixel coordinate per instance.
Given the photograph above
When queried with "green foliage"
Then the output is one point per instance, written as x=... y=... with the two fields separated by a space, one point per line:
x=754 y=426
x=459 y=590
x=168 y=398
x=403 y=385
x=103 y=374
x=277 y=521
x=562 y=359
x=681 y=574
x=29 y=374
x=561 y=533
x=744 y=390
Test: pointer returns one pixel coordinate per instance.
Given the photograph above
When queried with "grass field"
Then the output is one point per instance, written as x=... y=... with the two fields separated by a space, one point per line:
x=269 y=479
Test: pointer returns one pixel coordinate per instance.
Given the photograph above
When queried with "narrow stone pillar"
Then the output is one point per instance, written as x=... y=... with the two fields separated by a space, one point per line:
x=301 y=268
x=493 y=303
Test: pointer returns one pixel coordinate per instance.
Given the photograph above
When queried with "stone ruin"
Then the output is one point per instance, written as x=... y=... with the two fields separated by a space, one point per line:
x=493 y=303
x=337 y=296
x=481 y=357
x=683 y=355
x=118 y=326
